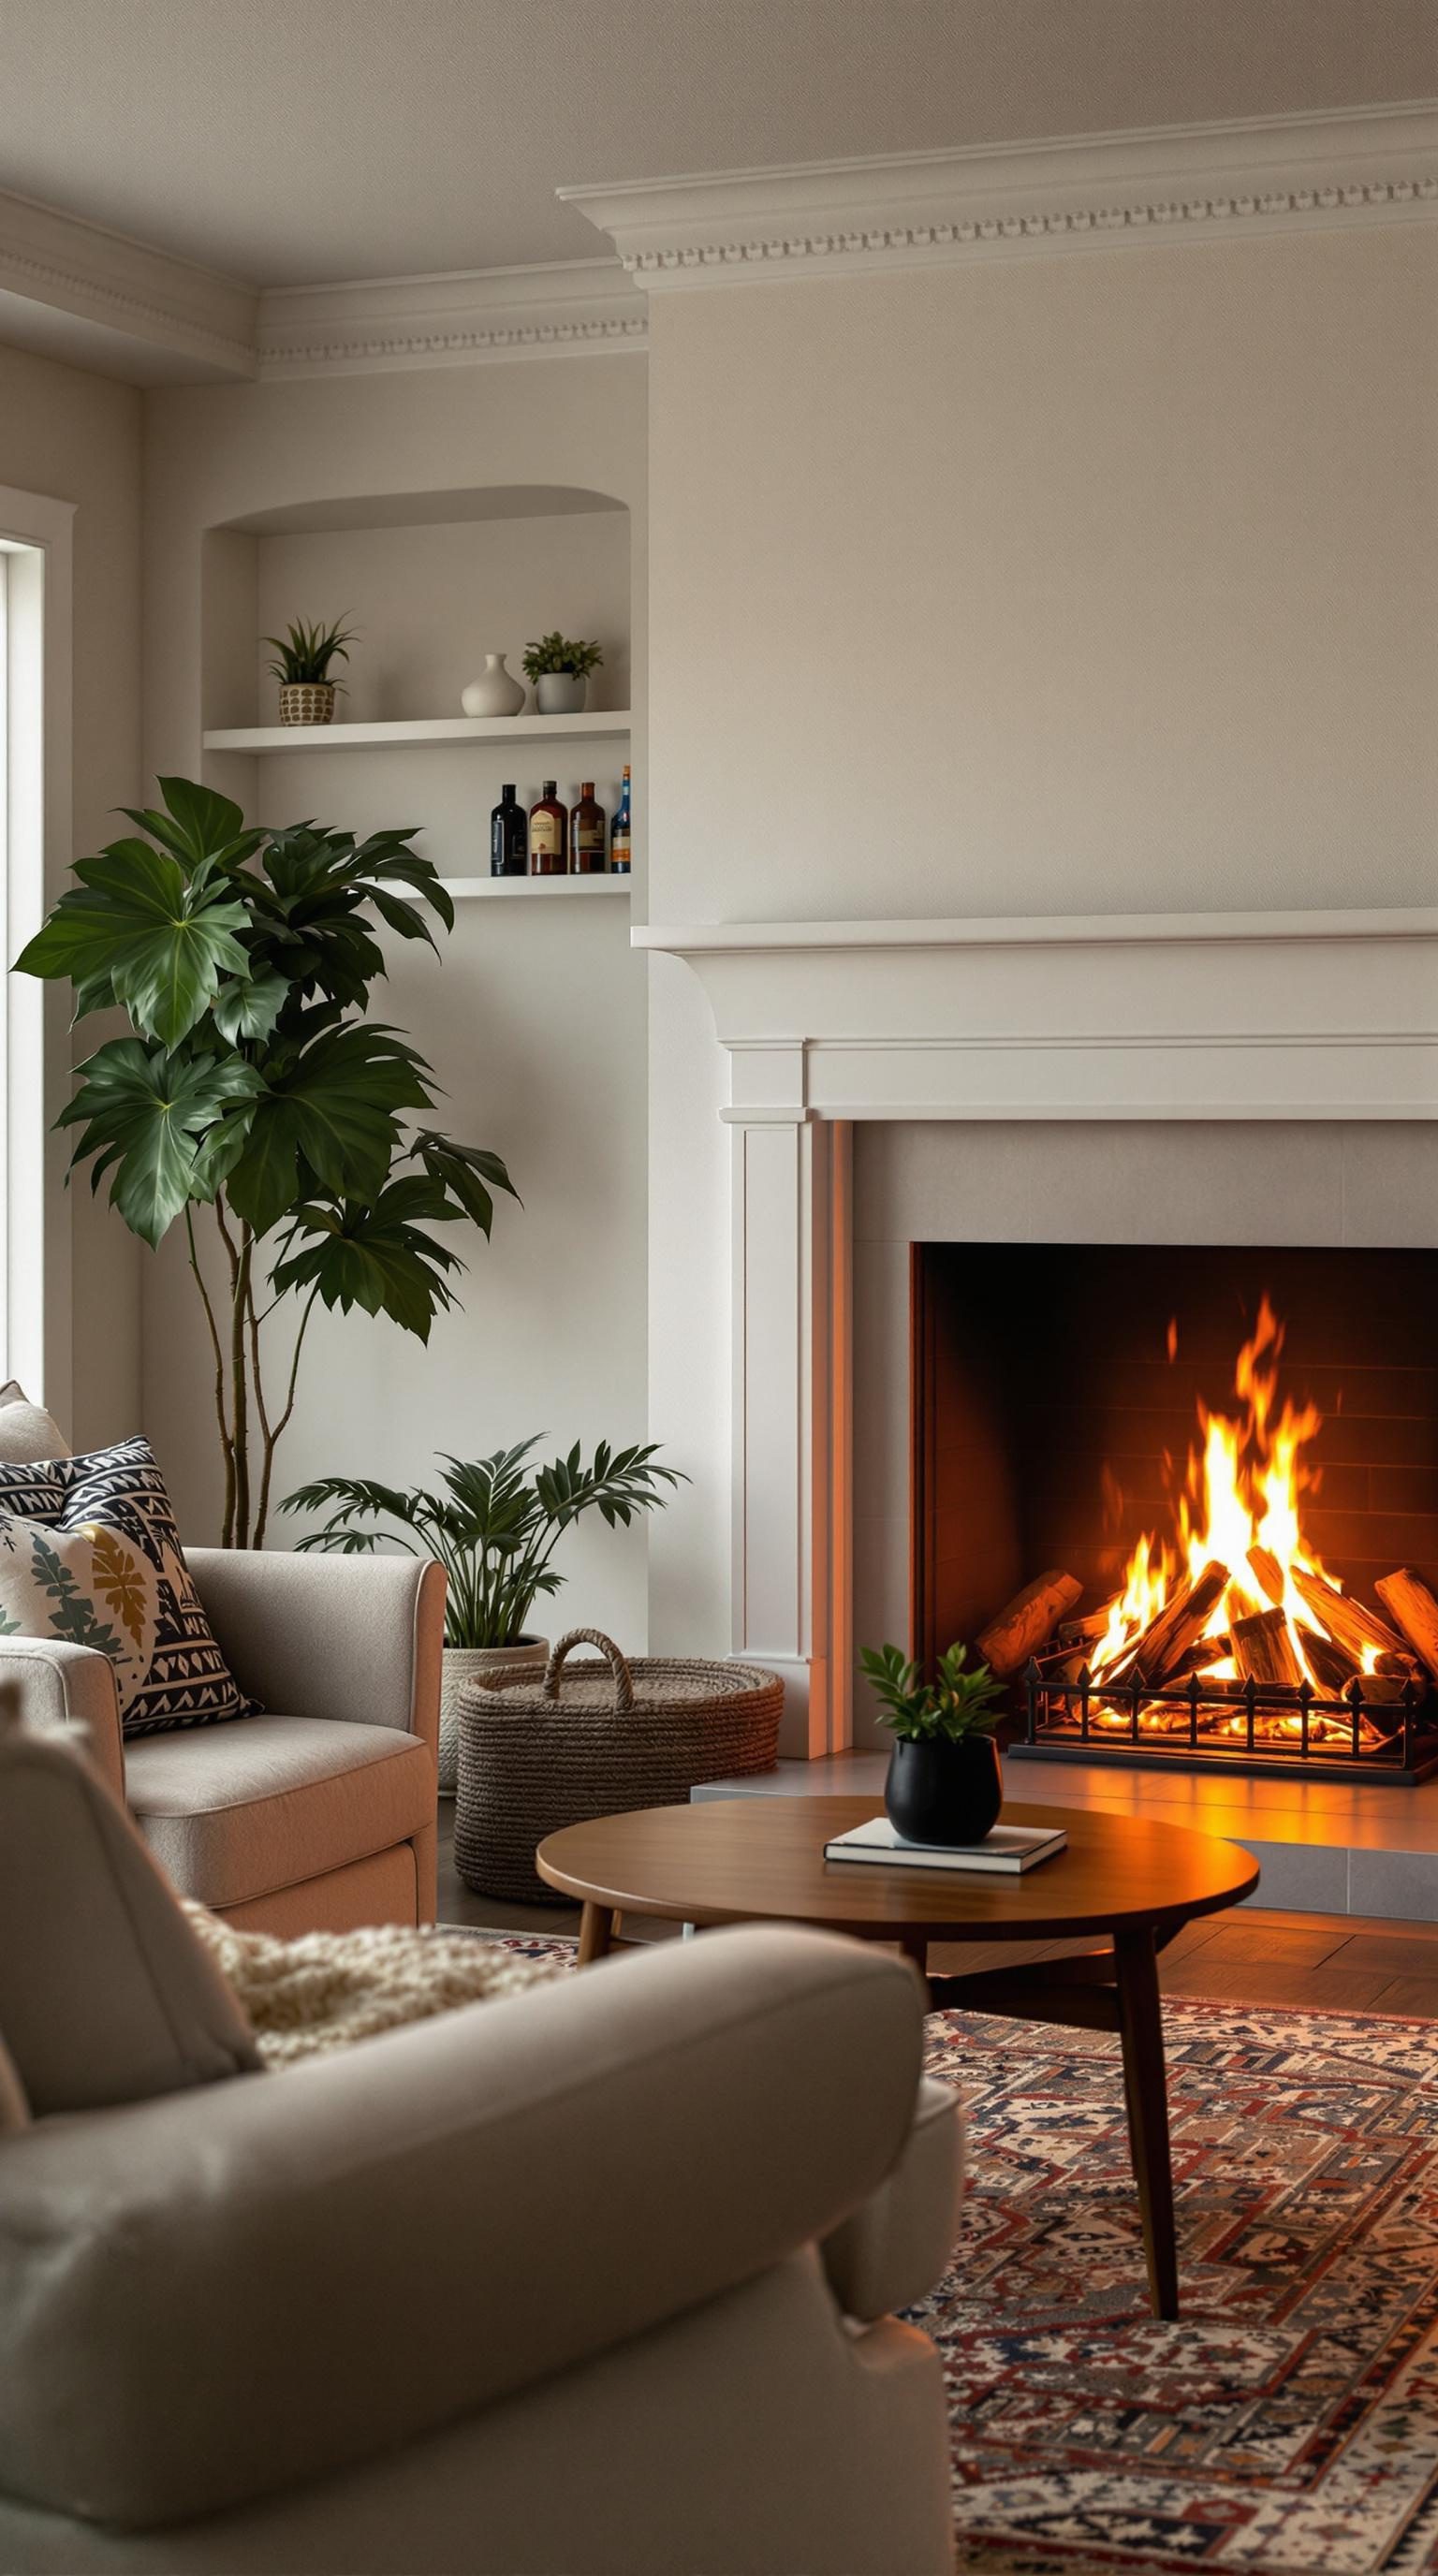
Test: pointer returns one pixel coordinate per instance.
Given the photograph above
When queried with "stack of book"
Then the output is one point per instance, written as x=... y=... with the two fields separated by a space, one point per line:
x=1009 y=1848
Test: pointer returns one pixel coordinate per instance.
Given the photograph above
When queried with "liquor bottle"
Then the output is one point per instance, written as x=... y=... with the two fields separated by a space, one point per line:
x=619 y=832
x=508 y=837
x=586 y=834
x=548 y=835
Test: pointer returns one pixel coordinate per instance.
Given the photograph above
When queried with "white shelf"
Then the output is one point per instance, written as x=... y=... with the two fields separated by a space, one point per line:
x=533 y=889
x=411 y=733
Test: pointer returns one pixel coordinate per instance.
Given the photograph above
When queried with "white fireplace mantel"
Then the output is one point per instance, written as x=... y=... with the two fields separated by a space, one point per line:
x=1213 y=1016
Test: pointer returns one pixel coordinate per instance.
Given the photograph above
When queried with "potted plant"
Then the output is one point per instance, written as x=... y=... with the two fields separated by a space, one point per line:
x=944 y=1783
x=560 y=671
x=252 y=1087
x=494 y=1529
x=302 y=667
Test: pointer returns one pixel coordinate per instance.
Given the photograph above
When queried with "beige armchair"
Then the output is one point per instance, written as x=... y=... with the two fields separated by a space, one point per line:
x=595 y=2281
x=320 y=1814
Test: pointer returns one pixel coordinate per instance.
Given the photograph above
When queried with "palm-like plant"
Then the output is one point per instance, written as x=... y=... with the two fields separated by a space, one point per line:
x=963 y=1701
x=493 y=1528
x=252 y=1085
x=304 y=653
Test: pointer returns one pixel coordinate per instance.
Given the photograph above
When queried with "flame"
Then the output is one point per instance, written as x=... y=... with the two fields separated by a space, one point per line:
x=1247 y=1480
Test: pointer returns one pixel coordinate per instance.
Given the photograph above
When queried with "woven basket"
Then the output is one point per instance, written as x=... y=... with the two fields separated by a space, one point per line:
x=596 y=1740
x=307 y=701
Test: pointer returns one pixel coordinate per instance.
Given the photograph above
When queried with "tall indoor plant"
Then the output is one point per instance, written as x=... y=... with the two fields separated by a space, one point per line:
x=494 y=1527
x=251 y=1087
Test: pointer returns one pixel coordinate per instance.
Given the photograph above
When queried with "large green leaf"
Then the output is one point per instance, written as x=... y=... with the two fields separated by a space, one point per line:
x=250 y=1010
x=138 y=928
x=331 y=1116
x=372 y=1257
x=464 y=1171
x=145 y=1116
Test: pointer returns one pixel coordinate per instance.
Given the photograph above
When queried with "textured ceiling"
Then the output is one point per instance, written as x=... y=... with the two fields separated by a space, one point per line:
x=301 y=141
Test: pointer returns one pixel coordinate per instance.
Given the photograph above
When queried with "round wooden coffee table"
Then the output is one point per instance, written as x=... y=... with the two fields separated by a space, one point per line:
x=1131 y=1883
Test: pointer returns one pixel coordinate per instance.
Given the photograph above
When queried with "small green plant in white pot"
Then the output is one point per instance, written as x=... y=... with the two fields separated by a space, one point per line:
x=304 y=657
x=944 y=1783
x=560 y=671
x=494 y=1528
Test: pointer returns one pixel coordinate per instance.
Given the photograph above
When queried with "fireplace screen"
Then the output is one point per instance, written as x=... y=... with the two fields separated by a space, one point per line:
x=1185 y=1499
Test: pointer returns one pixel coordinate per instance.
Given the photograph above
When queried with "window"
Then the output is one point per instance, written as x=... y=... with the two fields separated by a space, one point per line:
x=34 y=857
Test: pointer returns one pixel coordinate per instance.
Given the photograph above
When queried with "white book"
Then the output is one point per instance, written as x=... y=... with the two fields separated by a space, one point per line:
x=1009 y=1848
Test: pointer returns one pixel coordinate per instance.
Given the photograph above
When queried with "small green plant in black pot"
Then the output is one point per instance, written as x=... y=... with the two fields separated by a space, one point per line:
x=944 y=1785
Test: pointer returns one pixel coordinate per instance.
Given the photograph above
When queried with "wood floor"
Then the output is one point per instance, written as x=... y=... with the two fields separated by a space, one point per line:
x=1321 y=1962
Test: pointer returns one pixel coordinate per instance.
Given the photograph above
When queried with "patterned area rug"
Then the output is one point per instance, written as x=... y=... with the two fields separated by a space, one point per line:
x=1288 y=2424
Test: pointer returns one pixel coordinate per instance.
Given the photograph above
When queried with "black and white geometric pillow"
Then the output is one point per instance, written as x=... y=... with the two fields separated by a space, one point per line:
x=89 y=1551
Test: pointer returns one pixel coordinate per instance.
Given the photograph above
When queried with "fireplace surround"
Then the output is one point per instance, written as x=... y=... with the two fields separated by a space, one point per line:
x=1287 y=1059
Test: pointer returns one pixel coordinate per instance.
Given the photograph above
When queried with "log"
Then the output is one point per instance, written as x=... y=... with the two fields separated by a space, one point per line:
x=1179 y=1625
x=1267 y=1572
x=1348 y=1621
x=1264 y=1651
x=1026 y=1622
x=1412 y=1607
x=1332 y=1666
x=1087 y=1630
x=1199 y=1658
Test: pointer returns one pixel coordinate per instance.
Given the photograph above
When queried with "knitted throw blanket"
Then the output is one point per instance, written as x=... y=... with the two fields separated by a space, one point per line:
x=329 y=1989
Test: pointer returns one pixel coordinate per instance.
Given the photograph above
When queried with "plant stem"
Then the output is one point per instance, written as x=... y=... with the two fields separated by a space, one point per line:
x=227 y=1450
x=239 y=1384
x=272 y=1437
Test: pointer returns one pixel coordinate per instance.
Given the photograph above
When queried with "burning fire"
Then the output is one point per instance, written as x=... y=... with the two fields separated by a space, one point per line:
x=1241 y=1509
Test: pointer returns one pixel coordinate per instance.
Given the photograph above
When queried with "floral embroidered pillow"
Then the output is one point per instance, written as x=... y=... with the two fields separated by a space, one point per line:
x=89 y=1552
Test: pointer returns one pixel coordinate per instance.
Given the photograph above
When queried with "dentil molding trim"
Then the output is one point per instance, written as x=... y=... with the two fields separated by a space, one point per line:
x=72 y=290
x=563 y=309
x=1085 y=192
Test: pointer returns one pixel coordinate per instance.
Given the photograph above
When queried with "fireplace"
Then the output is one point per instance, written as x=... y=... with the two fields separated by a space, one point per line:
x=1186 y=1496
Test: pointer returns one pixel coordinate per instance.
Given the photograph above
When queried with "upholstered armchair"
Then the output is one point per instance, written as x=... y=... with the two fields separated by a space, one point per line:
x=320 y=1814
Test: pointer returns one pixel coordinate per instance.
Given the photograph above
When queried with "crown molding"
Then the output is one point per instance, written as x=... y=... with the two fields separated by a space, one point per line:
x=96 y=299
x=1080 y=193
x=563 y=309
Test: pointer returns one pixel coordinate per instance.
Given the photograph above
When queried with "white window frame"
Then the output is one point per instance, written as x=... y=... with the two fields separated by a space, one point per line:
x=36 y=535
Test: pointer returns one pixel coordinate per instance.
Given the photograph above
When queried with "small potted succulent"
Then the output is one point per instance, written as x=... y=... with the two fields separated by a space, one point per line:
x=560 y=671
x=944 y=1783
x=493 y=1528
x=302 y=666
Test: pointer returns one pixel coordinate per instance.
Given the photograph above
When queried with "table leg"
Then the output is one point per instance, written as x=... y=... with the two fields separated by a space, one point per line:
x=1146 y=2089
x=915 y=1946
x=596 y=1931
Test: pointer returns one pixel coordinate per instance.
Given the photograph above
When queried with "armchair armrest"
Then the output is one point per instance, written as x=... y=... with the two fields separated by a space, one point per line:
x=72 y=1687
x=329 y=1636
x=210 y=2298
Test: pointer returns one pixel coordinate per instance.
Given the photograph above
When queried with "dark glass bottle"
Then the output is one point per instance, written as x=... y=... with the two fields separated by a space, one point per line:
x=619 y=832
x=508 y=837
x=586 y=835
x=548 y=835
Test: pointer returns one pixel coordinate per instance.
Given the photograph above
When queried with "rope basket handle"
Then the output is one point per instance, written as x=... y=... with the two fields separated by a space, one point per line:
x=623 y=1678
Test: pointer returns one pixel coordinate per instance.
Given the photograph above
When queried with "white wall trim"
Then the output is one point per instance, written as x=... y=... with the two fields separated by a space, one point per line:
x=563 y=309
x=37 y=1020
x=98 y=299
x=1077 y=193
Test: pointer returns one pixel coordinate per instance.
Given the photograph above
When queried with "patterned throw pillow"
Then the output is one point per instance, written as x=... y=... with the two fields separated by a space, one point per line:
x=89 y=1551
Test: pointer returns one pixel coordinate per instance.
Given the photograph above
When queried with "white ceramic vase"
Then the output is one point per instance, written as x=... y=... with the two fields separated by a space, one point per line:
x=462 y=1664
x=559 y=693
x=496 y=692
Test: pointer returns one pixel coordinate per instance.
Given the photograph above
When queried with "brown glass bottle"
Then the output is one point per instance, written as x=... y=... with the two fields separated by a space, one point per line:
x=548 y=835
x=586 y=835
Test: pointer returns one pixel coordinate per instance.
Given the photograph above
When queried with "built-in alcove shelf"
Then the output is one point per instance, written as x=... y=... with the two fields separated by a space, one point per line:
x=419 y=732
x=533 y=889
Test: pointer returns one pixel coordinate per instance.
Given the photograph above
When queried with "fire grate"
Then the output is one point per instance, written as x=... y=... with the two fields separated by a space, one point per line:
x=1254 y=1729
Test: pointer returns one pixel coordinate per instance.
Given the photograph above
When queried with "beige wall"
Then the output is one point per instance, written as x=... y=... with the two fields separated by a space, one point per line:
x=77 y=437
x=1084 y=584
x=534 y=1021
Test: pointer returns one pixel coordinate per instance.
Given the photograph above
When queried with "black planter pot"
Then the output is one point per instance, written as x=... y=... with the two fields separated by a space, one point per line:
x=939 y=1792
